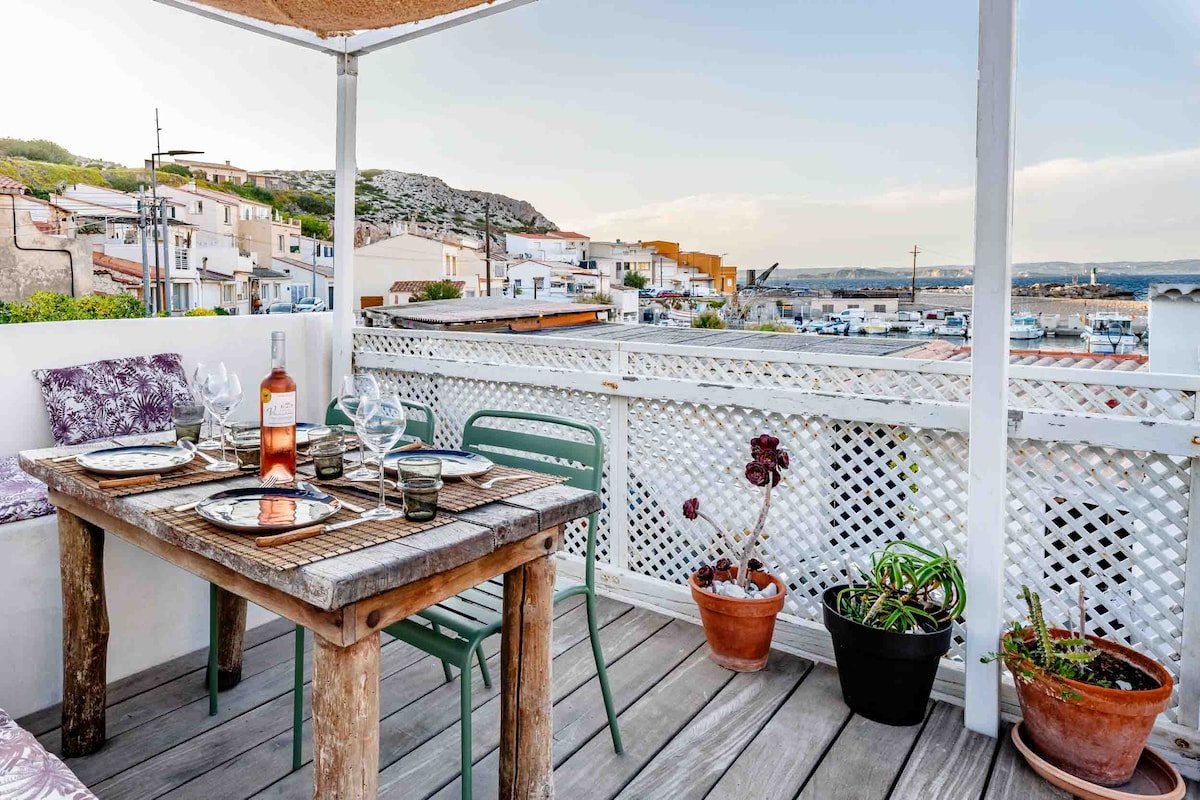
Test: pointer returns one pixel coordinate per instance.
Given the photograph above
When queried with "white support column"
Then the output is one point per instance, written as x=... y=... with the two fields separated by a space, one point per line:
x=618 y=467
x=343 y=217
x=989 y=357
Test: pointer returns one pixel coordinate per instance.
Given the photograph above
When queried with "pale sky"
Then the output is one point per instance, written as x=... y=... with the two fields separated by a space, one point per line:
x=810 y=132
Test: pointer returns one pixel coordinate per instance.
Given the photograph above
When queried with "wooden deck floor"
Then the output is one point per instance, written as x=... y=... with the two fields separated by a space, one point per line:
x=691 y=729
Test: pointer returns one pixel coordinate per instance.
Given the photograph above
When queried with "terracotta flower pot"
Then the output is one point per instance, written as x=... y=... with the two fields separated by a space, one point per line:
x=739 y=630
x=1093 y=733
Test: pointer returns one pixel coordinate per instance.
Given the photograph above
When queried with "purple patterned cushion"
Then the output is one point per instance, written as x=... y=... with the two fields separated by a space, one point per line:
x=22 y=496
x=29 y=772
x=115 y=397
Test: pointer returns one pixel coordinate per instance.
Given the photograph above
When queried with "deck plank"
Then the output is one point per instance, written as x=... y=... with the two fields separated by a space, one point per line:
x=406 y=726
x=580 y=715
x=262 y=759
x=695 y=759
x=863 y=762
x=1012 y=779
x=46 y=720
x=949 y=761
x=806 y=724
x=424 y=770
x=595 y=771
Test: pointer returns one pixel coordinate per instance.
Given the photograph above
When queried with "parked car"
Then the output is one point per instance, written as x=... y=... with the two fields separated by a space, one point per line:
x=310 y=304
x=668 y=293
x=281 y=308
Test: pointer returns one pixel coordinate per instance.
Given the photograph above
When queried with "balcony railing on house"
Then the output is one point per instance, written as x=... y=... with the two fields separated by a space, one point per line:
x=1102 y=491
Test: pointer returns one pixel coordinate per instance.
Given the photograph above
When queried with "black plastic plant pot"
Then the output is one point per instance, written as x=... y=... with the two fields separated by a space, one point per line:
x=886 y=676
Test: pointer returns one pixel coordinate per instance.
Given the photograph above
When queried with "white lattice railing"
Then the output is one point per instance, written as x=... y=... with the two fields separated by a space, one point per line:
x=1103 y=485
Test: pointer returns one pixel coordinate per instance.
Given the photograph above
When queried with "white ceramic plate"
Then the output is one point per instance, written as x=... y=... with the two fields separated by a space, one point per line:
x=137 y=460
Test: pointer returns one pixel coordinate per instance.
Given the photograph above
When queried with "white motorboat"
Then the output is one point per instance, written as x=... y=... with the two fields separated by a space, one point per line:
x=952 y=326
x=1109 y=332
x=1024 y=327
x=876 y=326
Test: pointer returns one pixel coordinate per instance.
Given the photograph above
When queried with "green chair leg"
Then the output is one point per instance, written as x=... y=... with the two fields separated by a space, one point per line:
x=464 y=677
x=212 y=649
x=602 y=673
x=298 y=703
x=483 y=667
x=445 y=664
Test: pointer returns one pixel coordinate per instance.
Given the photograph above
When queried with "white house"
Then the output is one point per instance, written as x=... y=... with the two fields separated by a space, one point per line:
x=305 y=279
x=416 y=253
x=532 y=279
x=616 y=259
x=565 y=246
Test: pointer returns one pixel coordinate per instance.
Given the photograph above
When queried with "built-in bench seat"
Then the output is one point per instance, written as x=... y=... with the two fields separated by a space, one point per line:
x=28 y=770
x=91 y=402
x=22 y=496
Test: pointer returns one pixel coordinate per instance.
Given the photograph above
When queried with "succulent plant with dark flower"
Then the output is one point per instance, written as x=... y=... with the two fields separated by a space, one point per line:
x=767 y=465
x=704 y=576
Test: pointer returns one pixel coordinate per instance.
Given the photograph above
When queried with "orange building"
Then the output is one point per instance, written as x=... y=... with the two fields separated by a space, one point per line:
x=724 y=276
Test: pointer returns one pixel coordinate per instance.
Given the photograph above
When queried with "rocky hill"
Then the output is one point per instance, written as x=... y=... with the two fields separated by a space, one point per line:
x=384 y=196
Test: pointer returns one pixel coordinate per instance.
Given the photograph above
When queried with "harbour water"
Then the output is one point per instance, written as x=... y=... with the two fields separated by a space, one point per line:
x=1138 y=284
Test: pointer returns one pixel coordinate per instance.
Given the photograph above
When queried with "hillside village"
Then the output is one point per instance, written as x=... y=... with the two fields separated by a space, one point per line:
x=213 y=236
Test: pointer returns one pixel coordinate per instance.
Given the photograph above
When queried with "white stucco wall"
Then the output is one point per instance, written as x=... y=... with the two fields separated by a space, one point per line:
x=157 y=612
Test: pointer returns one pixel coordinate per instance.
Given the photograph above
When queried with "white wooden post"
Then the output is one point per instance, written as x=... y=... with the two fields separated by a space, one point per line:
x=343 y=217
x=618 y=467
x=1188 y=713
x=989 y=357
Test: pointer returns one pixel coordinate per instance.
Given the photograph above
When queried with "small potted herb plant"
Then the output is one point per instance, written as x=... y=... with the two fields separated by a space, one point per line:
x=890 y=632
x=739 y=604
x=1088 y=704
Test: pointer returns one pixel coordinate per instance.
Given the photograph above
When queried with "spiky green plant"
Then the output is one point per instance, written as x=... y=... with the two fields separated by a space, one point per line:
x=909 y=588
x=1062 y=658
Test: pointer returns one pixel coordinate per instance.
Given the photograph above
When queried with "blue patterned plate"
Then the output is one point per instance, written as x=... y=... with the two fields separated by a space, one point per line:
x=147 y=459
x=455 y=463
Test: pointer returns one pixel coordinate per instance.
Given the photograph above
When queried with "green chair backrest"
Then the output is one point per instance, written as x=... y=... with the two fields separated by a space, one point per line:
x=421 y=428
x=585 y=459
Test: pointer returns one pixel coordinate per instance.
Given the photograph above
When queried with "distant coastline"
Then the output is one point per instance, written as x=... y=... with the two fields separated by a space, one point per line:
x=1061 y=271
x=1138 y=285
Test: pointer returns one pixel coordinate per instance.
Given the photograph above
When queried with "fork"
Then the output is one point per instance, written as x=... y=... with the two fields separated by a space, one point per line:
x=490 y=483
x=267 y=483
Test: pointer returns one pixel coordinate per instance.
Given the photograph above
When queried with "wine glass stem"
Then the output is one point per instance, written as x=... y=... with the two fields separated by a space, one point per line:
x=221 y=431
x=382 y=501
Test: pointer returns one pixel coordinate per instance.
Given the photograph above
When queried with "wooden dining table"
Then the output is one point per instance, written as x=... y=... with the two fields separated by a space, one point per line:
x=345 y=600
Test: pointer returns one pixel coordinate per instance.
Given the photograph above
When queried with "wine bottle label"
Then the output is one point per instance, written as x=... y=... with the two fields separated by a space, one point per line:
x=278 y=409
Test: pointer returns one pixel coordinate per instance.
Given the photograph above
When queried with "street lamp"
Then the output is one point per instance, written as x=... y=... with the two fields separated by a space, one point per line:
x=165 y=274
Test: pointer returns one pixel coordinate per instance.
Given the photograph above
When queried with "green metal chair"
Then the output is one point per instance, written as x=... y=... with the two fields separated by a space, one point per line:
x=459 y=625
x=422 y=429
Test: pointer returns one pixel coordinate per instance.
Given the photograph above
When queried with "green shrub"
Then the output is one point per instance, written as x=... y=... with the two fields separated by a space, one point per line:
x=772 y=327
x=220 y=312
x=708 y=320
x=36 y=150
x=315 y=227
x=201 y=312
x=441 y=290
x=176 y=169
x=53 y=307
x=636 y=280
x=599 y=297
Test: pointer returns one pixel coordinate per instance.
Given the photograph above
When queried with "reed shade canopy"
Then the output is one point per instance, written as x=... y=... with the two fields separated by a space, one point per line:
x=341 y=17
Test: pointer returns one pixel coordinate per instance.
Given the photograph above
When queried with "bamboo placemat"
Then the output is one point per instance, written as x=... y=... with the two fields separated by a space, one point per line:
x=457 y=495
x=305 y=551
x=189 y=475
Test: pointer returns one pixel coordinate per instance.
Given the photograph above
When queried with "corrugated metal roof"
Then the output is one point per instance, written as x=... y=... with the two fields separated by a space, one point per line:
x=750 y=340
x=481 y=309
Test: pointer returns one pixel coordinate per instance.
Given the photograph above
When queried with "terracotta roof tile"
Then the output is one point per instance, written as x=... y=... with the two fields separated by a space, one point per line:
x=10 y=186
x=121 y=265
x=416 y=286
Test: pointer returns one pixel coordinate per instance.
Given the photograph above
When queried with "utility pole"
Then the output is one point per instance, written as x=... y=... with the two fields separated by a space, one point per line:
x=145 y=256
x=487 y=237
x=159 y=298
x=166 y=258
x=314 y=265
x=914 y=274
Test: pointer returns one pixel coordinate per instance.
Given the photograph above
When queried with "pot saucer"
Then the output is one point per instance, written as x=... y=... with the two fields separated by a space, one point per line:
x=1154 y=778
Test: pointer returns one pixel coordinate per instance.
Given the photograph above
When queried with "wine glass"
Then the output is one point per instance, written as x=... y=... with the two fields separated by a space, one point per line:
x=356 y=388
x=204 y=371
x=221 y=397
x=380 y=424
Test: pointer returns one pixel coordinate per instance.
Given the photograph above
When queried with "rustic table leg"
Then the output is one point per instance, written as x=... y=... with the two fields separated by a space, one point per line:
x=526 y=768
x=85 y=634
x=345 y=704
x=231 y=633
